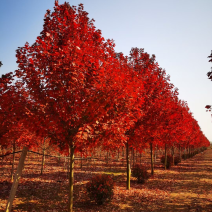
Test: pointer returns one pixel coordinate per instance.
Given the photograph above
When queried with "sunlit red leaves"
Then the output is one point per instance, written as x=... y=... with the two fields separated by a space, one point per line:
x=70 y=71
x=74 y=79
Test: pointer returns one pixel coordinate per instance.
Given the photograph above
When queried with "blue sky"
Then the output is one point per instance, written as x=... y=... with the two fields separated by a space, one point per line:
x=179 y=33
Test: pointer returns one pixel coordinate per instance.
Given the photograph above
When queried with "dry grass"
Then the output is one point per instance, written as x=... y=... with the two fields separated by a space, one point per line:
x=186 y=187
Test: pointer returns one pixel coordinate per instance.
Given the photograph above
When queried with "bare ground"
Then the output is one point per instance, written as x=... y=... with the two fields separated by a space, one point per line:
x=186 y=187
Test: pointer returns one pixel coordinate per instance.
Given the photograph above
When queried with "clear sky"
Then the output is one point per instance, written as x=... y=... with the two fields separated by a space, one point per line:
x=178 y=32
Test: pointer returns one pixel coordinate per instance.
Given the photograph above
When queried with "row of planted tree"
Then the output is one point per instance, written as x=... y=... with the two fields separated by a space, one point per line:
x=72 y=88
x=98 y=158
x=100 y=187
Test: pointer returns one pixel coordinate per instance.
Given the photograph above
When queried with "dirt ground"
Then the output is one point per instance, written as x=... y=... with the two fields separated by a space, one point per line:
x=185 y=187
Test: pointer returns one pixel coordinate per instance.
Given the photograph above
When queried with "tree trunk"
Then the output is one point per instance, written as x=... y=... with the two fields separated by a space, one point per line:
x=122 y=156
x=152 y=164
x=43 y=161
x=13 y=162
x=180 y=153
x=68 y=166
x=16 y=179
x=71 y=180
x=86 y=157
x=43 y=158
x=128 y=166
x=173 y=155
x=165 y=157
x=155 y=154
x=81 y=160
